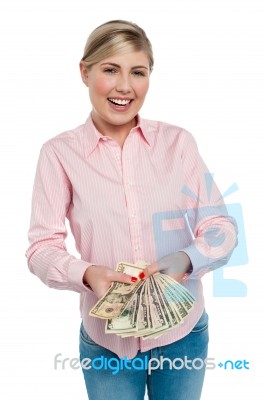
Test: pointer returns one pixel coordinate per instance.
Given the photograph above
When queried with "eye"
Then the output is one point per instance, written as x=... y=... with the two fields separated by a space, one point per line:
x=110 y=70
x=139 y=73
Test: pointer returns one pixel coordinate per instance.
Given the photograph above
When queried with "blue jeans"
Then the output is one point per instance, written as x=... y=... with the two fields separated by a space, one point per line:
x=176 y=380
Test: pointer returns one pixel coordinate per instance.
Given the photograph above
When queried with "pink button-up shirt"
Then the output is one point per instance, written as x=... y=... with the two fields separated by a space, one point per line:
x=141 y=202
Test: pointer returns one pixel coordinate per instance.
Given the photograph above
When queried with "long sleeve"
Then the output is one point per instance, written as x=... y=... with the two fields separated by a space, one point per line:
x=140 y=203
x=47 y=255
x=215 y=232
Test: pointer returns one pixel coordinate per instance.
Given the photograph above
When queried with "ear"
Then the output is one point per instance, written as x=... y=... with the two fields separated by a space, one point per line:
x=84 y=73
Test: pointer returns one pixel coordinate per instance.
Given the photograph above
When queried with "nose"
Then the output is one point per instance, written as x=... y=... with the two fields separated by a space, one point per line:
x=123 y=83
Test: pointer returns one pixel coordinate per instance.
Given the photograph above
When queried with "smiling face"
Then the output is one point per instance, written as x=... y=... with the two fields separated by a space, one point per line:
x=117 y=88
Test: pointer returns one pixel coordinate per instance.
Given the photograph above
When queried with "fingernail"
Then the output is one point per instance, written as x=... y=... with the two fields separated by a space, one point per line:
x=134 y=279
x=141 y=275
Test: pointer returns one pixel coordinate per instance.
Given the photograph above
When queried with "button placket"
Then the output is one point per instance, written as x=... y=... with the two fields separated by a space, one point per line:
x=131 y=198
x=117 y=153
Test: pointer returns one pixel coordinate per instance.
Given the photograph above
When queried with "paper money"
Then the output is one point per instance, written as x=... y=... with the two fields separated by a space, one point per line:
x=114 y=301
x=147 y=309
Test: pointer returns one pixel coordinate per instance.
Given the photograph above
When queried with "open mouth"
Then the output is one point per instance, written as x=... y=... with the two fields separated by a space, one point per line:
x=119 y=102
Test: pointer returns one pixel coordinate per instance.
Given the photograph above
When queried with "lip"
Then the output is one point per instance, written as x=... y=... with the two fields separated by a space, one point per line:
x=119 y=108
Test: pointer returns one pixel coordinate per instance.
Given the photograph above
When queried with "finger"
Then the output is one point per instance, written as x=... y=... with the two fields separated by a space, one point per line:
x=124 y=278
x=179 y=277
x=150 y=270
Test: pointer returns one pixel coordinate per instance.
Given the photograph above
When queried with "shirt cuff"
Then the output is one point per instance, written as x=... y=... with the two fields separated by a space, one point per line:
x=199 y=261
x=76 y=271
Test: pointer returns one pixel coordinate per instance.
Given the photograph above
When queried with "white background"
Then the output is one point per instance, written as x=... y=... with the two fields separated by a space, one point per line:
x=209 y=77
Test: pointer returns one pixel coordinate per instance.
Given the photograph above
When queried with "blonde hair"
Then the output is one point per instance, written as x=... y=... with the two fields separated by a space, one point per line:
x=115 y=37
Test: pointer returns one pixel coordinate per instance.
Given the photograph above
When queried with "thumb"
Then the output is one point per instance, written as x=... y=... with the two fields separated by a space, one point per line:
x=150 y=270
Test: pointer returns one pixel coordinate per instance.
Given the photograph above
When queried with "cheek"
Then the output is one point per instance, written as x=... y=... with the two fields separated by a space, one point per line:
x=142 y=89
x=101 y=86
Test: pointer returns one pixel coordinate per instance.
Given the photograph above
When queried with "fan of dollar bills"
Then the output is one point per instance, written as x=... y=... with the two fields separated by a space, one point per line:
x=148 y=308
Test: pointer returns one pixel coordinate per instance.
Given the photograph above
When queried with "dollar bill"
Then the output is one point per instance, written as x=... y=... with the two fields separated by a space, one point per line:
x=147 y=309
x=127 y=321
x=179 y=293
x=143 y=316
x=115 y=300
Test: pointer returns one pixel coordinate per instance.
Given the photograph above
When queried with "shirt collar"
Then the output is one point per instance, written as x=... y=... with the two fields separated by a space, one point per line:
x=92 y=136
x=148 y=129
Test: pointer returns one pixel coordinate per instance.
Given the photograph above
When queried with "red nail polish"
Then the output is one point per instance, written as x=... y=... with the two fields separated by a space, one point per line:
x=134 y=279
x=142 y=275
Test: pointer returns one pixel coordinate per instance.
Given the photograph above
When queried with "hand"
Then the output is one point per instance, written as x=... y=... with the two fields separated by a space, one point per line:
x=177 y=265
x=100 y=278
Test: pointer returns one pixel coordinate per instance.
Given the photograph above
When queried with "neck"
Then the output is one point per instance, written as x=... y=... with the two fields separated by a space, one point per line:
x=117 y=132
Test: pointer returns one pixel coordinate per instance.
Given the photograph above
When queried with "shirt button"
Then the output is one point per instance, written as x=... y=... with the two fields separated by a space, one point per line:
x=118 y=157
x=133 y=215
x=136 y=248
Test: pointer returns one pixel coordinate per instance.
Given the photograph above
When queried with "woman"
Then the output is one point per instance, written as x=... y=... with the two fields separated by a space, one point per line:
x=128 y=187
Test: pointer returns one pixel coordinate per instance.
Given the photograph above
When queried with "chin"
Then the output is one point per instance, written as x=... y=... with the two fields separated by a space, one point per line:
x=121 y=119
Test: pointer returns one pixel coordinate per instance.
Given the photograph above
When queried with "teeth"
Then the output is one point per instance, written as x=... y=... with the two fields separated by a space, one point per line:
x=120 y=102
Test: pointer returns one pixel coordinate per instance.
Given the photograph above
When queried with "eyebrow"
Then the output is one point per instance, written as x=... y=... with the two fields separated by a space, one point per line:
x=118 y=66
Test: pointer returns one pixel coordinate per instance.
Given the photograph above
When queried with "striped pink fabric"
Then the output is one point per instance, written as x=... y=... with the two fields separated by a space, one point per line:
x=113 y=198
